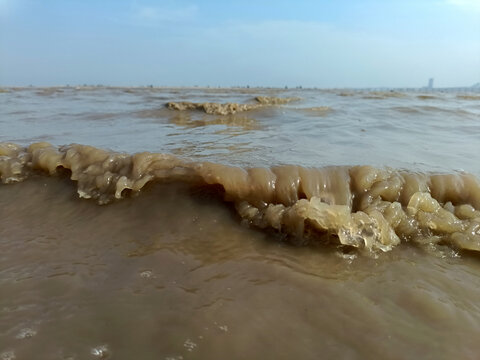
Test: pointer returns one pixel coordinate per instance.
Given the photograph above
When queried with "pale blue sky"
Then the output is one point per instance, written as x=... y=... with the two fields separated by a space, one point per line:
x=342 y=43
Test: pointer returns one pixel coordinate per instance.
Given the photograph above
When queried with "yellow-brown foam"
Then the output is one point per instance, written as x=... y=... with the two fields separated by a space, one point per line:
x=359 y=206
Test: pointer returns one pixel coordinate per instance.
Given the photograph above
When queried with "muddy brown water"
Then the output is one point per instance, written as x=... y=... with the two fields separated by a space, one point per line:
x=180 y=255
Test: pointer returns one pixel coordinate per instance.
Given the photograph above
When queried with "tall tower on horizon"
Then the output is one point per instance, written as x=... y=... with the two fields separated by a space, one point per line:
x=430 y=83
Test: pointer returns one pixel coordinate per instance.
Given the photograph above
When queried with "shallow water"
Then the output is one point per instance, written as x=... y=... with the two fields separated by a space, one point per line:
x=176 y=266
x=326 y=127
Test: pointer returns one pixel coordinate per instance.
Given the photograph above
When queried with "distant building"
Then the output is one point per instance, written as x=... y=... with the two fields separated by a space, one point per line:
x=430 y=83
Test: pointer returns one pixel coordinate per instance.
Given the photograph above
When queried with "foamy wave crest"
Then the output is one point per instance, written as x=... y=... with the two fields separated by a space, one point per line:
x=360 y=206
x=229 y=108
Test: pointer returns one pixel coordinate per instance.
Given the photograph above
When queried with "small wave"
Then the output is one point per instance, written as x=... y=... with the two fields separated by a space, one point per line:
x=243 y=122
x=426 y=97
x=430 y=109
x=359 y=206
x=468 y=97
x=212 y=108
x=272 y=100
x=229 y=108
x=49 y=91
x=383 y=95
x=407 y=109
x=86 y=88
x=444 y=110
x=344 y=93
x=316 y=110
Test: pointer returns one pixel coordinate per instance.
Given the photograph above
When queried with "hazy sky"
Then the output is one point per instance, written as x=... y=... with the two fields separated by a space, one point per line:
x=334 y=43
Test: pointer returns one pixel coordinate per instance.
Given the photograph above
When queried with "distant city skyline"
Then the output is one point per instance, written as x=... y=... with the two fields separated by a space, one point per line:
x=310 y=43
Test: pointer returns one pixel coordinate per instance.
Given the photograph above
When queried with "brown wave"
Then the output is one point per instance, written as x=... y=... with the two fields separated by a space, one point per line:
x=468 y=97
x=426 y=97
x=372 y=94
x=229 y=108
x=212 y=108
x=383 y=95
x=358 y=206
x=273 y=100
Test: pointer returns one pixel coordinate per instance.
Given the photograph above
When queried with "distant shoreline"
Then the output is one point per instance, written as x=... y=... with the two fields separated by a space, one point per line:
x=475 y=88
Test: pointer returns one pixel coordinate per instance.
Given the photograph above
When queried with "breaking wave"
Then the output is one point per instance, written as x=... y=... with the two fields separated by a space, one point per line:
x=229 y=108
x=359 y=206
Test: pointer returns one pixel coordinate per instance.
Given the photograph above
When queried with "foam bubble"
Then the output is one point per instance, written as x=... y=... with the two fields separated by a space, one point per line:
x=26 y=333
x=8 y=355
x=100 y=352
